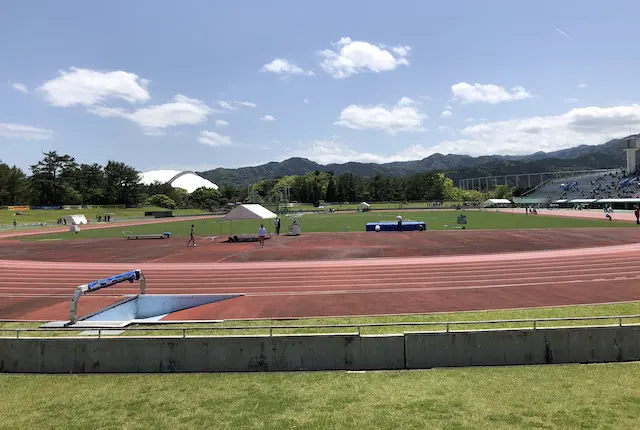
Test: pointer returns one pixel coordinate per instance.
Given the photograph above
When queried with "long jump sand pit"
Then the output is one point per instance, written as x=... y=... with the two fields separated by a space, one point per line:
x=334 y=274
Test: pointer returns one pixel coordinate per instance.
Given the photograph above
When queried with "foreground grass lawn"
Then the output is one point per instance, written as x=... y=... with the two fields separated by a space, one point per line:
x=341 y=222
x=245 y=327
x=562 y=397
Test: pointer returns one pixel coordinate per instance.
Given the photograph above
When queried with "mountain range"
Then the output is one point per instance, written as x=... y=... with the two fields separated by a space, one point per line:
x=604 y=156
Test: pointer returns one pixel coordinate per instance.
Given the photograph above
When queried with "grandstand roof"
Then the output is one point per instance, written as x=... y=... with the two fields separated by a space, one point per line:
x=583 y=200
x=187 y=180
x=621 y=200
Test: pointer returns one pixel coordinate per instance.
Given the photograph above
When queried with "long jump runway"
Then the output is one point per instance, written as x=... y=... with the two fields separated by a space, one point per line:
x=41 y=290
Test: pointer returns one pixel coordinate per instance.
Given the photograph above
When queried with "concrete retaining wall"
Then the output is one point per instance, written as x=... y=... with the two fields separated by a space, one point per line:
x=320 y=352
x=515 y=347
x=207 y=354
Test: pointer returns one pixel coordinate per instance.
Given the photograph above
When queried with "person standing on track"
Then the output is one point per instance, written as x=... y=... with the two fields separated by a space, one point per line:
x=192 y=238
x=399 y=219
x=262 y=233
x=637 y=214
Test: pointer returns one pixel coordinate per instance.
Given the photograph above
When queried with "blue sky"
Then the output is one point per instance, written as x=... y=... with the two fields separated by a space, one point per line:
x=203 y=84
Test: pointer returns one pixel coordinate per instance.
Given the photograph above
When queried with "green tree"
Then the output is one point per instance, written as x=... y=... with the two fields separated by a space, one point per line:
x=502 y=192
x=230 y=193
x=449 y=192
x=331 y=194
x=89 y=181
x=180 y=196
x=122 y=183
x=13 y=186
x=158 y=187
x=161 y=200
x=51 y=180
x=206 y=198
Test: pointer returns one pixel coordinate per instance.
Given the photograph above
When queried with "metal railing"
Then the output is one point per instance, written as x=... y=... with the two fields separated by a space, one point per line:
x=183 y=332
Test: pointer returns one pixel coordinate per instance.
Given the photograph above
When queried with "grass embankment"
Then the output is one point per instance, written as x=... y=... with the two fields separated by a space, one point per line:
x=245 y=327
x=551 y=397
x=51 y=216
x=341 y=222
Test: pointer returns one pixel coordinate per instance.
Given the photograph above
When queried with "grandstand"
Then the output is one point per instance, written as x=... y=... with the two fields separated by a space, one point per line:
x=610 y=188
x=585 y=186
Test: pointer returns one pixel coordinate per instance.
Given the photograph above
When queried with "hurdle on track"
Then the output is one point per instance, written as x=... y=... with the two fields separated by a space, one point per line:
x=131 y=276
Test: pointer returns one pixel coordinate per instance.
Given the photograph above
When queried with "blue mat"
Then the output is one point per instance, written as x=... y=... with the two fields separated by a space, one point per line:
x=393 y=226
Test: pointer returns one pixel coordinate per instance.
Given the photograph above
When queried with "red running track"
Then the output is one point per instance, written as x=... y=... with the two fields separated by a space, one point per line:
x=288 y=289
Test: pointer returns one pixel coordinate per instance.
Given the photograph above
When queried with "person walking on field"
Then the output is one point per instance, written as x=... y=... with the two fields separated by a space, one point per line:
x=637 y=214
x=262 y=233
x=192 y=239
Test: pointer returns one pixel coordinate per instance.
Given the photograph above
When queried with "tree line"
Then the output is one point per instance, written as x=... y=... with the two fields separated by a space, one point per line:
x=58 y=179
x=316 y=187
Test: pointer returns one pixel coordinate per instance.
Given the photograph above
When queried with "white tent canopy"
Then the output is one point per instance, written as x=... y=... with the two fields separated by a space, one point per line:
x=250 y=211
x=496 y=202
x=364 y=205
x=76 y=219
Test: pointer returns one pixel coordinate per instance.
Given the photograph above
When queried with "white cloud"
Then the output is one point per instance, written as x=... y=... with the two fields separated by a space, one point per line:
x=25 y=132
x=90 y=87
x=580 y=126
x=469 y=119
x=446 y=113
x=490 y=93
x=233 y=105
x=281 y=66
x=446 y=128
x=582 y=86
x=306 y=101
x=399 y=118
x=334 y=151
x=268 y=118
x=331 y=151
x=221 y=123
x=571 y=100
x=247 y=104
x=406 y=101
x=401 y=51
x=154 y=119
x=214 y=139
x=20 y=87
x=354 y=56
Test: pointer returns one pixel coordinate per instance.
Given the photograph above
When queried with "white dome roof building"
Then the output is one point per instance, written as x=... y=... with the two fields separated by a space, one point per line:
x=178 y=179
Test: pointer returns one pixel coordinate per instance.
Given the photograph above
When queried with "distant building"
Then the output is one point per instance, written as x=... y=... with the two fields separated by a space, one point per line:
x=187 y=180
x=632 y=146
